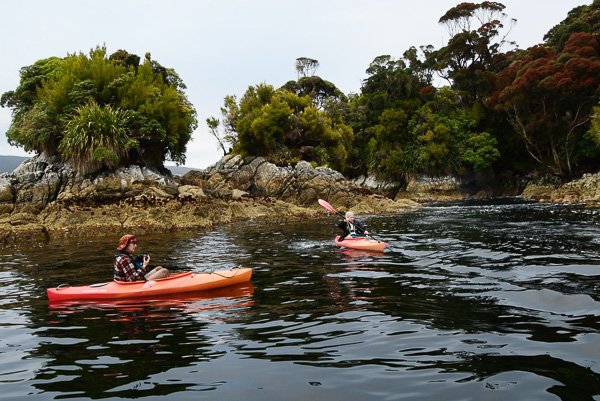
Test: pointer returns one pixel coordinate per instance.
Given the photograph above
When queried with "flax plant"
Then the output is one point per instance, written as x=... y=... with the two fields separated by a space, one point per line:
x=96 y=137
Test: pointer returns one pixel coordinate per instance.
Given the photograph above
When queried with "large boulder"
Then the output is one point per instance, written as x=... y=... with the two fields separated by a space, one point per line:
x=123 y=183
x=301 y=184
x=585 y=189
x=42 y=180
x=380 y=186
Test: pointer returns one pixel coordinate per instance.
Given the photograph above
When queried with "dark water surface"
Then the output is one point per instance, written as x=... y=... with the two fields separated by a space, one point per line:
x=473 y=302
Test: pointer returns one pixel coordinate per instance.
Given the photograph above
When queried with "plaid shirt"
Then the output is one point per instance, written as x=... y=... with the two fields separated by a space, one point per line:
x=126 y=269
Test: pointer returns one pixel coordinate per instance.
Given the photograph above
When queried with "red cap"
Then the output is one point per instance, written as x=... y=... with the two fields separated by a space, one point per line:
x=125 y=240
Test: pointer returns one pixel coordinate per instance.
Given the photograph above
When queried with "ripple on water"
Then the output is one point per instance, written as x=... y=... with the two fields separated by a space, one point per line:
x=486 y=301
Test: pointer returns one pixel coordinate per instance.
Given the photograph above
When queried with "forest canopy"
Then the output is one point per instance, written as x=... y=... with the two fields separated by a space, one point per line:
x=504 y=108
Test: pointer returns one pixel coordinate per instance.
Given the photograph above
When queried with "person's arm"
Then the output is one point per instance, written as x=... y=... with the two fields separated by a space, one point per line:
x=361 y=229
x=344 y=227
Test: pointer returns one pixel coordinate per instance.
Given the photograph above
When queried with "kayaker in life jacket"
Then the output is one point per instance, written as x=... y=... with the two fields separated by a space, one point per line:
x=128 y=268
x=350 y=228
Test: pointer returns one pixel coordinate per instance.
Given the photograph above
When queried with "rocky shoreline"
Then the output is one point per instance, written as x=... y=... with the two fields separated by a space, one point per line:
x=44 y=199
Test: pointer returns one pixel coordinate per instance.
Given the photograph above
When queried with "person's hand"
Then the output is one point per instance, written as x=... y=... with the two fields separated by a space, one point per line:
x=146 y=260
x=366 y=232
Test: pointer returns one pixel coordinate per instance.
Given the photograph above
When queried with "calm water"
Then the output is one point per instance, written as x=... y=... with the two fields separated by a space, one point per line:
x=472 y=302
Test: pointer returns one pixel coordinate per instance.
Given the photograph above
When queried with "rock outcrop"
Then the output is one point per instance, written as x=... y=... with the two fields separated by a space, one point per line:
x=300 y=185
x=43 y=197
x=551 y=189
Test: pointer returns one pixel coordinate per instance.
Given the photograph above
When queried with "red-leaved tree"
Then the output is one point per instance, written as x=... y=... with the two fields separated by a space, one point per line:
x=548 y=98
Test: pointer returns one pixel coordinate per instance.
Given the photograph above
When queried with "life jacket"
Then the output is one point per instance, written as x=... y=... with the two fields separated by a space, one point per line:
x=351 y=229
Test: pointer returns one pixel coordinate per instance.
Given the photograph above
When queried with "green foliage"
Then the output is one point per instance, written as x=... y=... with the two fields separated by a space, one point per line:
x=96 y=136
x=438 y=138
x=319 y=90
x=594 y=130
x=472 y=57
x=32 y=77
x=587 y=150
x=585 y=18
x=306 y=67
x=480 y=150
x=499 y=107
x=284 y=128
x=589 y=147
x=38 y=129
x=56 y=96
x=380 y=114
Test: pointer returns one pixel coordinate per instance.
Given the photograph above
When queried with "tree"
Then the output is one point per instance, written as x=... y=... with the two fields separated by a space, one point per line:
x=57 y=97
x=284 y=128
x=585 y=18
x=306 y=67
x=438 y=138
x=379 y=115
x=213 y=125
x=471 y=58
x=389 y=85
x=124 y=58
x=319 y=90
x=96 y=137
x=548 y=98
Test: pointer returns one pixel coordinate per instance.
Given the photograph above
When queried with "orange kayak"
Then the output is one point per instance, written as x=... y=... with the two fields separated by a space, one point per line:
x=364 y=243
x=176 y=283
x=239 y=294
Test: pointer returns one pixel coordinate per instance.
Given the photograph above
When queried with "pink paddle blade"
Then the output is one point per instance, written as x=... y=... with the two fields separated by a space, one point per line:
x=326 y=205
x=148 y=284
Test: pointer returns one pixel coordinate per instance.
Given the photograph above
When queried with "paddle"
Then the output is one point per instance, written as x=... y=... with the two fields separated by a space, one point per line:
x=148 y=284
x=327 y=206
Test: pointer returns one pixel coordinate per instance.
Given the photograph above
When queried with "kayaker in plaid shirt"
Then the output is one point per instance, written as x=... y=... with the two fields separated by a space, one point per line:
x=129 y=269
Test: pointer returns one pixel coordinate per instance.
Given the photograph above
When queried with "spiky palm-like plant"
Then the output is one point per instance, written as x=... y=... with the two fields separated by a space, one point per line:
x=96 y=136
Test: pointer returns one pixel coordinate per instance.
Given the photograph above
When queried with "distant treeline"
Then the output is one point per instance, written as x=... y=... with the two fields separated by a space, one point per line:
x=9 y=163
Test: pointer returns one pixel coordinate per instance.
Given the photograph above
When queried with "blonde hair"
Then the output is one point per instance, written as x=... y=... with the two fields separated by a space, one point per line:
x=349 y=214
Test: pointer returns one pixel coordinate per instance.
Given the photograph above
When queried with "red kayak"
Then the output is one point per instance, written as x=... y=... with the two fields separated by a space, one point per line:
x=176 y=283
x=364 y=243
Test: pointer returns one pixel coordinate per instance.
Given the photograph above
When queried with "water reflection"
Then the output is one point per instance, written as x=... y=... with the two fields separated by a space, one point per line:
x=118 y=347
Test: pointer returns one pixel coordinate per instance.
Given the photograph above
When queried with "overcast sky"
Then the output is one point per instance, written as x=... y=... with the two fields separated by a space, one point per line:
x=220 y=47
